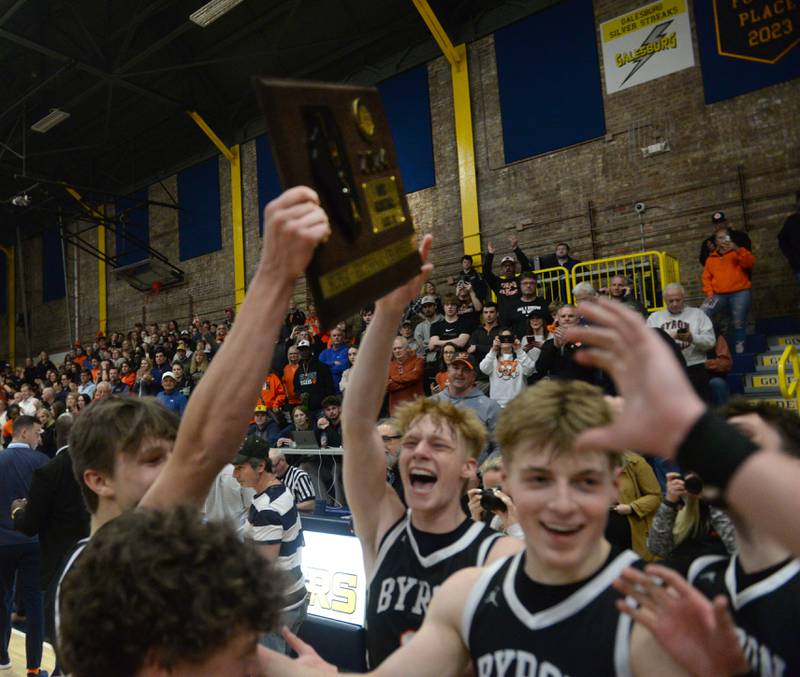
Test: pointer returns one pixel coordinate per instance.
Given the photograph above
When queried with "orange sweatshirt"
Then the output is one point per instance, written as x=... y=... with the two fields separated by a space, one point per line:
x=288 y=383
x=273 y=394
x=726 y=274
x=405 y=381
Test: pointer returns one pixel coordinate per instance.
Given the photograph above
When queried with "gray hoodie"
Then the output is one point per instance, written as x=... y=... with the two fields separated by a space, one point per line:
x=487 y=409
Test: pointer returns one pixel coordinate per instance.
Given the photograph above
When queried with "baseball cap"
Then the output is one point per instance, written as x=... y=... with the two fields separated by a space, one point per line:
x=254 y=447
x=181 y=346
x=303 y=344
x=718 y=217
x=507 y=258
x=260 y=409
x=168 y=374
x=465 y=358
x=428 y=299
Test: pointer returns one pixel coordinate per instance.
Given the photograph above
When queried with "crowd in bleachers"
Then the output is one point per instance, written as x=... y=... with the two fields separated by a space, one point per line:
x=510 y=331
x=478 y=346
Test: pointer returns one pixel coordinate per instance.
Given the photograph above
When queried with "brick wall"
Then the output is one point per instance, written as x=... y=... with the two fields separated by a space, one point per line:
x=541 y=200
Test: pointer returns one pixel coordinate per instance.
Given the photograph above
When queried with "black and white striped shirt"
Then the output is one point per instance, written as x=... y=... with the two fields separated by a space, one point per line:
x=273 y=520
x=299 y=482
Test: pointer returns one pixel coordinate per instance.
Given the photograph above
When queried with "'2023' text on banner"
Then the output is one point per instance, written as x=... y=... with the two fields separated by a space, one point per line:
x=645 y=44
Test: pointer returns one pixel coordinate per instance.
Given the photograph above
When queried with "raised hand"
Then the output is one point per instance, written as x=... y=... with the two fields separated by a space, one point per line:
x=660 y=406
x=514 y=240
x=698 y=634
x=490 y=248
x=294 y=224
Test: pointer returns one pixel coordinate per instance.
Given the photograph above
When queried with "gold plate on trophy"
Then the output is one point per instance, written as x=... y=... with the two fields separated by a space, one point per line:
x=383 y=203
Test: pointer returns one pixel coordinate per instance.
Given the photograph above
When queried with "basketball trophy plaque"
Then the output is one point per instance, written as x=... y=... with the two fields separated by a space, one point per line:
x=336 y=139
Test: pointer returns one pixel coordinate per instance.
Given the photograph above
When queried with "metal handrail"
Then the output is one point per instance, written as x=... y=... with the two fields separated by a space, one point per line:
x=789 y=390
x=662 y=269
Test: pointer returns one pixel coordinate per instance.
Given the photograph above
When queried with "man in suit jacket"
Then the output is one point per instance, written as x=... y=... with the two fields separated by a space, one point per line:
x=55 y=511
x=19 y=554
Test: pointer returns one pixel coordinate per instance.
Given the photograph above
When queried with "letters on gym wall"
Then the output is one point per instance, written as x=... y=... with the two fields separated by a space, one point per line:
x=645 y=44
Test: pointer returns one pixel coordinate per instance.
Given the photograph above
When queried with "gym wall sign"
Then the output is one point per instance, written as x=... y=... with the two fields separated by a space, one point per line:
x=645 y=44
x=757 y=30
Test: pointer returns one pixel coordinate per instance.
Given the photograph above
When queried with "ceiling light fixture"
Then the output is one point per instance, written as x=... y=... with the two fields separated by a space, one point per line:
x=53 y=118
x=212 y=11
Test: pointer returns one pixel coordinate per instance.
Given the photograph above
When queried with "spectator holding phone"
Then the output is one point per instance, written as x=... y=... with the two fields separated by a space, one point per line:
x=536 y=334
x=508 y=366
x=691 y=330
x=685 y=527
x=490 y=503
x=726 y=283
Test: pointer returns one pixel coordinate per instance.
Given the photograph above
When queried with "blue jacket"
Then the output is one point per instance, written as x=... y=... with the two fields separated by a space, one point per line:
x=17 y=464
x=176 y=401
x=336 y=359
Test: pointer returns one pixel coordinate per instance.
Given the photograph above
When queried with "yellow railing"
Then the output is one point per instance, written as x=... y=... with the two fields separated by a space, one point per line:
x=647 y=272
x=554 y=284
x=789 y=390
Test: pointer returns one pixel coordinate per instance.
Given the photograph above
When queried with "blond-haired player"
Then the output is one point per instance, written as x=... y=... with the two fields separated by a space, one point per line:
x=407 y=555
x=550 y=609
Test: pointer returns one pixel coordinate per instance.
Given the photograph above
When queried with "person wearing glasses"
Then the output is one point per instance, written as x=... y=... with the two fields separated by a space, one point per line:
x=390 y=435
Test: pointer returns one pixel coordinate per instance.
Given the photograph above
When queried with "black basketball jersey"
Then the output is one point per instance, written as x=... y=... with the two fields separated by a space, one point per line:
x=403 y=582
x=584 y=634
x=67 y=564
x=767 y=613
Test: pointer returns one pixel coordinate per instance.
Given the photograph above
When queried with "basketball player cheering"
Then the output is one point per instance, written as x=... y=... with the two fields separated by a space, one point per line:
x=176 y=465
x=408 y=555
x=550 y=609
x=760 y=584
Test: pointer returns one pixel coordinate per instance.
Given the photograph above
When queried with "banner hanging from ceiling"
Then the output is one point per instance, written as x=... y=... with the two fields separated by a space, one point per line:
x=645 y=44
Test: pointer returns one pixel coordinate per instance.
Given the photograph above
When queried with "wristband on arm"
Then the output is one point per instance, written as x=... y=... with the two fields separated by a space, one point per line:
x=714 y=449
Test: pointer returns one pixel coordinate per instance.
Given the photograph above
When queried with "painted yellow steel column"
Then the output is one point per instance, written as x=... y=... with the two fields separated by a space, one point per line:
x=465 y=145
x=234 y=158
x=467 y=178
x=102 y=266
x=102 y=273
x=11 y=304
x=237 y=213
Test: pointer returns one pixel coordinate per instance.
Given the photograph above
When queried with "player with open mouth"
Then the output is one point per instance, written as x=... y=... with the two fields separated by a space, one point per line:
x=551 y=608
x=409 y=553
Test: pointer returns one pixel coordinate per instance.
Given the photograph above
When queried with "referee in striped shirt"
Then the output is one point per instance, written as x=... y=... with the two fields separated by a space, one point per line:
x=274 y=528
x=297 y=480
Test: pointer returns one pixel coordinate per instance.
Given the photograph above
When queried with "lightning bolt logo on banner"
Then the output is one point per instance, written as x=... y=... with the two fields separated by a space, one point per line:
x=645 y=44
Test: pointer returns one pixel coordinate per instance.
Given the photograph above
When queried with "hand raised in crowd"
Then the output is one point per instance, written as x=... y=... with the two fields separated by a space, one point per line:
x=507 y=516
x=698 y=634
x=323 y=423
x=294 y=224
x=496 y=344
x=517 y=345
x=560 y=337
x=675 y=487
x=513 y=241
x=474 y=504
x=398 y=299
x=660 y=406
x=490 y=248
